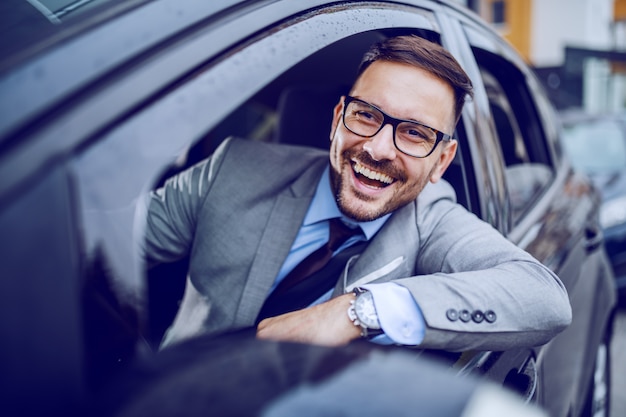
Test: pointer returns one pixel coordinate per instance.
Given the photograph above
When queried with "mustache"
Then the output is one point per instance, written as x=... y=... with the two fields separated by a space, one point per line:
x=385 y=166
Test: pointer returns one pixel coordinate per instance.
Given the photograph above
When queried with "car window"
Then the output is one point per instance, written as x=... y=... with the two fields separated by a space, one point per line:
x=528 y=169
x=294 y=109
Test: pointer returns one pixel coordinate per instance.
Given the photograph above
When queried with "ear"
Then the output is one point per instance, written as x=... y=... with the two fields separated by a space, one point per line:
x=445 y=159
x=336 y=117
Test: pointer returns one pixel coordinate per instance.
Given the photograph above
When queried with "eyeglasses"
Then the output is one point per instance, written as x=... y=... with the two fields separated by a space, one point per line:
x=409 y=137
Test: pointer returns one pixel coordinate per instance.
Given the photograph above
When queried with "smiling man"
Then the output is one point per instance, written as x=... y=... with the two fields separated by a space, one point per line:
x=378 y=167
x=367 y=243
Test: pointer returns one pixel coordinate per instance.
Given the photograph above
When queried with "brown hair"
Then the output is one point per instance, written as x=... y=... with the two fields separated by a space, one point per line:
x=424 y=54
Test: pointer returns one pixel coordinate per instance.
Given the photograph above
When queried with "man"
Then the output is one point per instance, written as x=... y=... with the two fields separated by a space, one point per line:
x=431 y=275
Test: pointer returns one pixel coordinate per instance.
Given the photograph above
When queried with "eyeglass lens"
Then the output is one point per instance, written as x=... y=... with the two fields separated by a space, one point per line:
x=412 y=138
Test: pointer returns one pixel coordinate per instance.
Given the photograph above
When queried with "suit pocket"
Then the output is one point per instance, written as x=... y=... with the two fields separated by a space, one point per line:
x=374 y=275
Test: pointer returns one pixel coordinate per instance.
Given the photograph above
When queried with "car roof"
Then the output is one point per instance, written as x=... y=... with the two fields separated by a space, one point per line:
x=29 y=27
x=49 y=55
x=40 y=49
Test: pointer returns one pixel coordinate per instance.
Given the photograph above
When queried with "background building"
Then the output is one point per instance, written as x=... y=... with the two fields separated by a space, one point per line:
x=577 y=47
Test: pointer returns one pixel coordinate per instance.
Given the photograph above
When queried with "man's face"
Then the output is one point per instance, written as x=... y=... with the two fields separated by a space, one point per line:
x=370 y=176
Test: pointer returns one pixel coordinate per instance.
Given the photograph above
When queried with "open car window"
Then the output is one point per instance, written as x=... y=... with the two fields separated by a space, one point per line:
x=296 y=108
x=528 y=167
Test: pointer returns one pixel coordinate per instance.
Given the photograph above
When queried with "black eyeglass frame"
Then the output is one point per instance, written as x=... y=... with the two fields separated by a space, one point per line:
x=394 y=122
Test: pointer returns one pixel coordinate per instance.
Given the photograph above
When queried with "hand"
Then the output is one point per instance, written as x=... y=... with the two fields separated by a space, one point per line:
x=325 y=324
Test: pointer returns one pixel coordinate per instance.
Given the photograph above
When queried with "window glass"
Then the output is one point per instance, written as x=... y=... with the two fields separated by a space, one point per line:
x=528 y=170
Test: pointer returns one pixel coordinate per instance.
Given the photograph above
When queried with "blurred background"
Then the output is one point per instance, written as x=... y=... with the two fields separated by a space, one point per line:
x=577 y=47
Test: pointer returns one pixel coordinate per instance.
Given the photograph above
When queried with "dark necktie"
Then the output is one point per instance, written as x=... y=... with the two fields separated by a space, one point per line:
x=278 y=300
x=338 y=234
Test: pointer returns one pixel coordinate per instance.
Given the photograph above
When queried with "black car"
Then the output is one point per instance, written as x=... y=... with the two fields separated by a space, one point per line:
x=101 y=101
x=596 y=145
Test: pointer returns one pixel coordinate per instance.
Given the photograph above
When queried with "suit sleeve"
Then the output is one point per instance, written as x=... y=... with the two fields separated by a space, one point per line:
x=173 y=210
x=479 y=291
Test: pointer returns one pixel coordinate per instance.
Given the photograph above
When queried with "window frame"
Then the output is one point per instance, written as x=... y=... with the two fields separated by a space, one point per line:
x=521 y=229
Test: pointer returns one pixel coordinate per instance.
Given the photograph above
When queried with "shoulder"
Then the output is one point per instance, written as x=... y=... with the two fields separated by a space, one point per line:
x=264 y=152
x=259 y=164
x=437 y=203
x=432 y=193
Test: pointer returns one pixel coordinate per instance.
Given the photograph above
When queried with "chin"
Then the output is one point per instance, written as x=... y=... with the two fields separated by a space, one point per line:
x=357 y=209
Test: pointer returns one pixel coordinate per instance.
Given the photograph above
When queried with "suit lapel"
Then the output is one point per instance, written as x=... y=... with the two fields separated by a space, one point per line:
x=391 y=254
x=282 y=227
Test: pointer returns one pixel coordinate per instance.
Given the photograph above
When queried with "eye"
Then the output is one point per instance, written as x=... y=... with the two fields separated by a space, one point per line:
x=415 y=133
x=365 y=115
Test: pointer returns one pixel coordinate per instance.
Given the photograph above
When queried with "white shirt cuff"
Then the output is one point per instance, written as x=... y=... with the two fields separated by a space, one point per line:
x=399 y=315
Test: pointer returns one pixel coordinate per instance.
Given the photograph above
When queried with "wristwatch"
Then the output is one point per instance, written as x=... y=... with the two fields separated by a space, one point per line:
x=362 y=312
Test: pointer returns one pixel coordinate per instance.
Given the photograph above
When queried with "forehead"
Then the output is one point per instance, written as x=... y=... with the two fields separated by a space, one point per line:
x=407 y=92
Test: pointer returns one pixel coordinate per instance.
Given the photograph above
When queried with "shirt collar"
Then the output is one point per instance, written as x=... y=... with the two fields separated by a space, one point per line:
x=324 y=207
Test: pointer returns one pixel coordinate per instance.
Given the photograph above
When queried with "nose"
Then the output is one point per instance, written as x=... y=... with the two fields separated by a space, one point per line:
x=381 y=146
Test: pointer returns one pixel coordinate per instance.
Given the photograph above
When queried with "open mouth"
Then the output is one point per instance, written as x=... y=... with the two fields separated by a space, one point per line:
x=370 y=177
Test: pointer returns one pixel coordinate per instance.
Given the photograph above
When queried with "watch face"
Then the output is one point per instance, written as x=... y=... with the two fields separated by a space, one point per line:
x=365 y=310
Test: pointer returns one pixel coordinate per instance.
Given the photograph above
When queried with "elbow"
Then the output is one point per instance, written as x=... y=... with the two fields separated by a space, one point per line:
x=558 y=317
x=558 y=310
x=565 y=318
x=564 y=311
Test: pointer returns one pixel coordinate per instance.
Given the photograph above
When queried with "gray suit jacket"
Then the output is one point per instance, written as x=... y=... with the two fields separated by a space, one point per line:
x=238 y=212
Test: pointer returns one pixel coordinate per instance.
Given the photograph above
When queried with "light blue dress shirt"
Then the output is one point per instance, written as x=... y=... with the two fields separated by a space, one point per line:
x=399 y=315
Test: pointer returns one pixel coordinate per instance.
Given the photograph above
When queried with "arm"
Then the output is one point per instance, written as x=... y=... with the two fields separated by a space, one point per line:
x=173 y=210
x=325 y=324
x=465 y=264
x=469 y=266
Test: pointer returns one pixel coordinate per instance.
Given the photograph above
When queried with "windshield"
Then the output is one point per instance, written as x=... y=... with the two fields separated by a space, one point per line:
x=596 y=146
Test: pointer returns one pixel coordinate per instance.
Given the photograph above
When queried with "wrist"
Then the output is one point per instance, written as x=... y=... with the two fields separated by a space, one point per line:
x=353 y=332
x=362 y=313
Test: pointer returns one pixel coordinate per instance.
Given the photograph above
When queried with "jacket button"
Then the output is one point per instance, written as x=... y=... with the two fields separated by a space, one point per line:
x=465 y=316
x=478 y=316
x=452 y=314
x=490 y=316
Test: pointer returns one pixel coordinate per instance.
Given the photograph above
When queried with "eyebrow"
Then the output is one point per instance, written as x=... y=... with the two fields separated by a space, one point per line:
x=387 y=113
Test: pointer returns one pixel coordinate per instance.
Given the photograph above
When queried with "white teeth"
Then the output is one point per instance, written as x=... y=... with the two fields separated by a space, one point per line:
x=360 y=169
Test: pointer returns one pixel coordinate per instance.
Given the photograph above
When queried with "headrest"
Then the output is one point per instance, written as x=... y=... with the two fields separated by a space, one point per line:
x=305 y=114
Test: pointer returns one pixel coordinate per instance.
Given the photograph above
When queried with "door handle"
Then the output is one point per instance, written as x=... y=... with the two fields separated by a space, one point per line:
x=593 y=237
x=524 y=380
